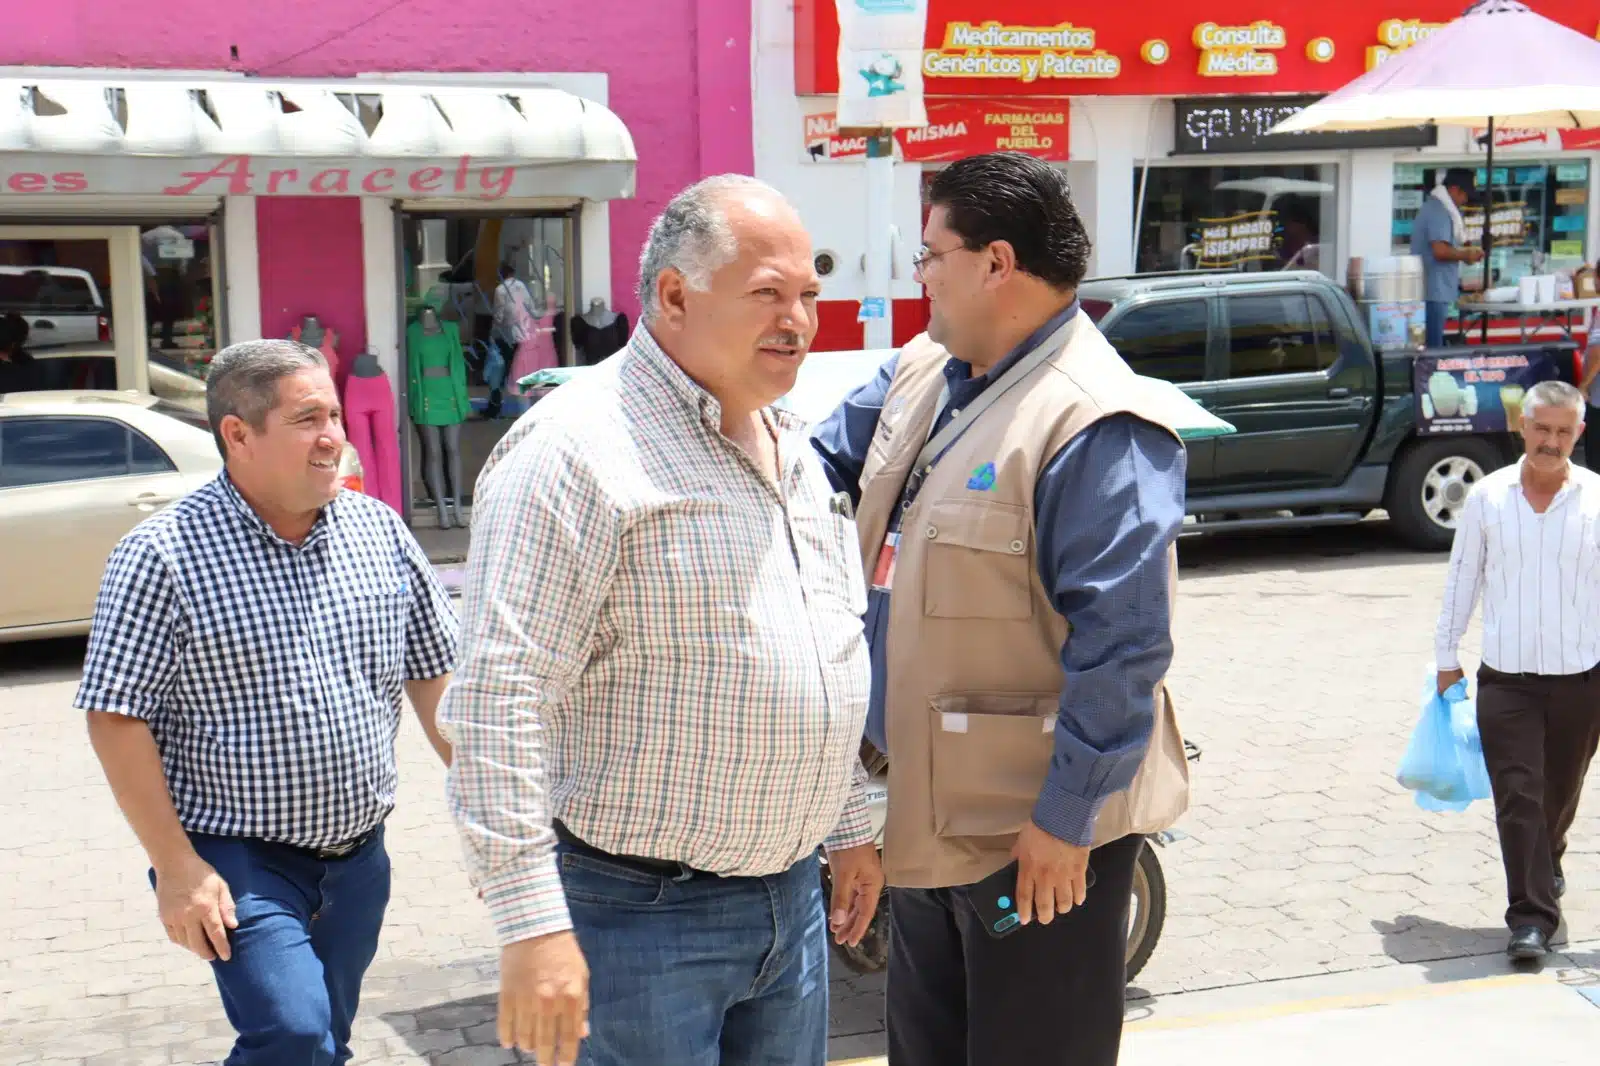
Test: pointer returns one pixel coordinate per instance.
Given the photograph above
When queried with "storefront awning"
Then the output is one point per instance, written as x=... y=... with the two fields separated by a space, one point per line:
x=359 y=137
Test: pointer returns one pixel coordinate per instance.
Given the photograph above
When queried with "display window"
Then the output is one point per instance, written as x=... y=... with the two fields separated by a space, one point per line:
x=488 y=301
x=1245 y=218
x=1540 y=218
x=108 y=307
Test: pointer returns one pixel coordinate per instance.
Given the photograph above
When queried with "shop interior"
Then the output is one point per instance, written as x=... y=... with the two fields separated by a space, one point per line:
x=1540 y=218
x=1250 y=218
x=489 y=300
x=59 y=319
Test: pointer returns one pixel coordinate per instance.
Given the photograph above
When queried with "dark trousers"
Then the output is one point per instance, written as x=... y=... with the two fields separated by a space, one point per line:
x=1435 y=314
x=1591 y=438
x=1539 y=733
x=308 y=929
x=1047 y=995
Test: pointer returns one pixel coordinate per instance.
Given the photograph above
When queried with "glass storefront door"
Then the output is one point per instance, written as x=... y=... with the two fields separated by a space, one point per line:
x=488 y=300
x=1238 y=218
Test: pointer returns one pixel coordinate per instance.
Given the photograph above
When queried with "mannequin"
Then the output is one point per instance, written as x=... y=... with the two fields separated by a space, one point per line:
x=311 y=331
x=537 y=351
x=437 y=379
x=369 y=423
x=598 y=332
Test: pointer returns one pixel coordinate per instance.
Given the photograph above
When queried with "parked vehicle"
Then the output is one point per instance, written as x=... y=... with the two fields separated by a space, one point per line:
x=61 y=305
x=1326 y=428
x=78 y=470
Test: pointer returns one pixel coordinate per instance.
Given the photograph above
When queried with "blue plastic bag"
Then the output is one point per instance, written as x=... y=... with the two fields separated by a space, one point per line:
x=1444 y=764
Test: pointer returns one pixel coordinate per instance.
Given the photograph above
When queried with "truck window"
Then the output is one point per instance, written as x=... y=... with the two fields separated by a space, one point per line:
x=1164 y=340
x=1276 y=333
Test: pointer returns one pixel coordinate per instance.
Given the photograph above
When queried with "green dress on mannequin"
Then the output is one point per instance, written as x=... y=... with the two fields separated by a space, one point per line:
x=437 y=399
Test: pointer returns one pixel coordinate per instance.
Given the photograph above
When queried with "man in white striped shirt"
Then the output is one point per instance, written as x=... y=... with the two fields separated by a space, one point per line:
x=1528 y=542
x=663 y=684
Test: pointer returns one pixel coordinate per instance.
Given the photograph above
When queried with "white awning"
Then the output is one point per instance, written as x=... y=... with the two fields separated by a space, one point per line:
x=367 y=127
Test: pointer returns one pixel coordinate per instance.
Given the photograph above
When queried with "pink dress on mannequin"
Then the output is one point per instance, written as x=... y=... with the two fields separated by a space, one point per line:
x=369 y=424
x=536 y=352
x=328 y=348
x=514 y=317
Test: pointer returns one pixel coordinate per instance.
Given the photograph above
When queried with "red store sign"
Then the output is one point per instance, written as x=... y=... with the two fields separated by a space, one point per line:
x=957 y=127
x=1047 y=48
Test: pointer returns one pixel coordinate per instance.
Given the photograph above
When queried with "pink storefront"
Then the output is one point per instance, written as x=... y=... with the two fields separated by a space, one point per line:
x=178 y=175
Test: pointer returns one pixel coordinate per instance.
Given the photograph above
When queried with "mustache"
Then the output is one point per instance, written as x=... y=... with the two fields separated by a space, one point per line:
x=781 y=340
x=1545 y=449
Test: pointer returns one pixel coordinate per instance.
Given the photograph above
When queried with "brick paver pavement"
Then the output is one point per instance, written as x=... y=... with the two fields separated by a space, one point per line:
x=1300 y=661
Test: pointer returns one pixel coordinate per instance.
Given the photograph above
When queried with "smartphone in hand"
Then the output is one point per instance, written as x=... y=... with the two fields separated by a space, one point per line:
x=994 y=899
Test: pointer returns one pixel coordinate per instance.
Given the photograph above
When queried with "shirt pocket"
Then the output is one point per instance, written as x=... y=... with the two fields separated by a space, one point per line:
x=991 y=753
x=846 y=545
x=979 y=563
x=370 y=631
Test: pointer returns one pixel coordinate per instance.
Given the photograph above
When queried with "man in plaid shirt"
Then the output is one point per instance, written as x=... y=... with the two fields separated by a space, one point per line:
x=243 y=683
x=663 y=684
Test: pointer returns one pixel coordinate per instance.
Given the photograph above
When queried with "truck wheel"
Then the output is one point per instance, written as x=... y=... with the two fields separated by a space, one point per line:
x=1429 y=486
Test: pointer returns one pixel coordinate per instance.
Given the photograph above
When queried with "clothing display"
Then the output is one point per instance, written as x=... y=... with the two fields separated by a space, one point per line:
x=536 y=352
x=436 y=376
x=370 y=426
x=312 y=332
x=598 y=333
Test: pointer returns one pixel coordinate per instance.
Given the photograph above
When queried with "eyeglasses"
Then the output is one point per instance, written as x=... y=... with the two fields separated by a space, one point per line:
x=926 y=255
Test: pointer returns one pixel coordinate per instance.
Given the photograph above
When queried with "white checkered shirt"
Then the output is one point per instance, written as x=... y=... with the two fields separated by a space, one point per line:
x=270 y=674
x=661 y=648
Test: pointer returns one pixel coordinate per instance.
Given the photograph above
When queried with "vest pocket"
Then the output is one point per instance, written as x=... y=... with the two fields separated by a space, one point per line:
x=980 y=563
x=991 y=752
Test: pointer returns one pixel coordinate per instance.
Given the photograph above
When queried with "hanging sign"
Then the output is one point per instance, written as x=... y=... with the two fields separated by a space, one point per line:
x=880 y=63
x=1507 y=226
x=957 y=127
x=1238 y=239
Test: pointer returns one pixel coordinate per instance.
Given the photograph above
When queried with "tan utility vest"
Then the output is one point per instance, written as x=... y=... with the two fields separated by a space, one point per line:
x=974 y=671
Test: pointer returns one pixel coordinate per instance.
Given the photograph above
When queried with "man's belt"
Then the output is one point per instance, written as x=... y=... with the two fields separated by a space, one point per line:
x=656 y=867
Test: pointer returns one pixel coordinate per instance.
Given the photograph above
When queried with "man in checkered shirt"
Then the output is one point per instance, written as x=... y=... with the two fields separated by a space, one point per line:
x=243 y=688
x=663 y=682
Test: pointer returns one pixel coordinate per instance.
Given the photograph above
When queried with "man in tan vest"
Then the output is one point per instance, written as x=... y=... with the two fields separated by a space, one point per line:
x=1014 y=485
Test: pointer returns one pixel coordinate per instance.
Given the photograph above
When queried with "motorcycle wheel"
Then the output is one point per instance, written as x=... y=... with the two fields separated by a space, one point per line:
x=1147 y=911
x=872 y=954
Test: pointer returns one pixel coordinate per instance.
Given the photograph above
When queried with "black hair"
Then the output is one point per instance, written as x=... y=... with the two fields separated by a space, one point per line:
x=1026 y=202
x=507 y=270
x=1460 y=178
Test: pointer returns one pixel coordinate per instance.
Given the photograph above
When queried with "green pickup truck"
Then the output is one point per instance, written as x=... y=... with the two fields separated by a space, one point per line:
x=1327 y=428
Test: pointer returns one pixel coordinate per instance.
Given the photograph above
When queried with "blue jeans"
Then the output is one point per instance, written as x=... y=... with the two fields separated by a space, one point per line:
x=308 y=929
x=1435 y=314
x=696 y=970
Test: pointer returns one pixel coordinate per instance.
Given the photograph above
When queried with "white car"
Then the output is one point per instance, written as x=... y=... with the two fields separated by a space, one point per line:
x=78 y=470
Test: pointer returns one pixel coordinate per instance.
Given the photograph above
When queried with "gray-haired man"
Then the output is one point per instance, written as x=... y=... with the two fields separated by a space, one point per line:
x=1528 y=542
x=243 y=684
x=663 y=679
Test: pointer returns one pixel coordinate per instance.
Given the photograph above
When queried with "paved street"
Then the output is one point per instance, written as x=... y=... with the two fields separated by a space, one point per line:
x=1300 y=662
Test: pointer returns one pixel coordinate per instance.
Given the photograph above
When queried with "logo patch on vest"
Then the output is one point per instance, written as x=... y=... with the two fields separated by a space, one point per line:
x=982 y=479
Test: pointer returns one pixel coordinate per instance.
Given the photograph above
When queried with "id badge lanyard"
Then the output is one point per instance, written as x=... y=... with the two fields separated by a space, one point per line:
x=940 y=442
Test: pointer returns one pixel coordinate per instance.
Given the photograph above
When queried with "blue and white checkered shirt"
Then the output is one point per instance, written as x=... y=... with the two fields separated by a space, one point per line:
x=270 y=673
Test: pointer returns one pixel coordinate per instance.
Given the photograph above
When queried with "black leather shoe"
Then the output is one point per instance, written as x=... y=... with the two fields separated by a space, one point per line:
x=1527 y=944
x=1561 y=886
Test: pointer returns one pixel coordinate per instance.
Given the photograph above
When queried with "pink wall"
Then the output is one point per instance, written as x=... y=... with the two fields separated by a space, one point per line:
x=311 y=265
x=679 y=69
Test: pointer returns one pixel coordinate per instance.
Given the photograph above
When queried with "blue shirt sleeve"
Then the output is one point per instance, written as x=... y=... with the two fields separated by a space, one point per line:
x=1108 y=507
x=842 y=439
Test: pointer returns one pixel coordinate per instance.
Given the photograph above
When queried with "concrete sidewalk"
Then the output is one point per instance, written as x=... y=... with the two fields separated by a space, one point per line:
x=1470 y=1012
